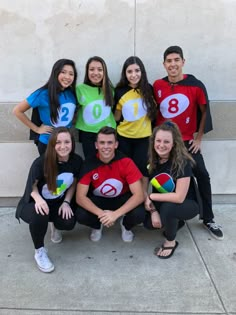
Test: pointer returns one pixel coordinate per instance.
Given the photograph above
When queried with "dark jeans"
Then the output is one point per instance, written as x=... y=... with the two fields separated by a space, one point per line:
x=171 y=213
x=204 y=184
x=88 y=140
x=38 y=223
x=132 y=218
x=136 y=149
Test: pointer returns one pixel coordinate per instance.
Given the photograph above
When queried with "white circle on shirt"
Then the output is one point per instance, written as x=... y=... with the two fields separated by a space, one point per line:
x=174 y=105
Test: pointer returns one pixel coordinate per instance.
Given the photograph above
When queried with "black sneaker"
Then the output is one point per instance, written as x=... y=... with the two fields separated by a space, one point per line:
x=214 y=229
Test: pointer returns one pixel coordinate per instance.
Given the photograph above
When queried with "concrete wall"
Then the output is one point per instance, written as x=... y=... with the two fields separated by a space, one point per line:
x=34 y=34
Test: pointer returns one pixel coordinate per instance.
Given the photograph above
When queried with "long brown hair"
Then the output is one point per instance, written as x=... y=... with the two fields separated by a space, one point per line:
x=50 y=161
x=106 y=85
x=179 y=153
x=144 y=87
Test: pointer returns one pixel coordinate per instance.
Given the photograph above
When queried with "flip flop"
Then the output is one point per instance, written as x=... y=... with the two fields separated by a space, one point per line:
x=172 y=248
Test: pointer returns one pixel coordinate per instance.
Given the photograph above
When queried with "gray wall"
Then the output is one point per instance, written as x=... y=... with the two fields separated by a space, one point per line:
x=34 y=34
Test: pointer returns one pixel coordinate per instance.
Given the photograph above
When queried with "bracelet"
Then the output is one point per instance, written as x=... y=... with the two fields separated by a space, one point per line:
x=152 y=211
x=65 y=201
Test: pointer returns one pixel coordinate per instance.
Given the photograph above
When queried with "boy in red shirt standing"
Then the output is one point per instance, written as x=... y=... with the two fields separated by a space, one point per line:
x=183 y=99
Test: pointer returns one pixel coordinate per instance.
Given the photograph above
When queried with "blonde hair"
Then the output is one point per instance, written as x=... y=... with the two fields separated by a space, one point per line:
x=179 y=154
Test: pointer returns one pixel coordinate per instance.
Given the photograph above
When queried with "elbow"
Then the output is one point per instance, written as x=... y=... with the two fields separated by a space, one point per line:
x=180 y=199
x=141 y=197
x=77 y=199
x=14 y=111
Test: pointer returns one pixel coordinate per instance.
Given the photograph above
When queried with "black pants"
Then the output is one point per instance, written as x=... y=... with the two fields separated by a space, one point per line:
x=171 y=213
x=136 y=149
x=41 y=147
x=132 y=218
x=204 y=184
x=38 y=223
x=88 y=140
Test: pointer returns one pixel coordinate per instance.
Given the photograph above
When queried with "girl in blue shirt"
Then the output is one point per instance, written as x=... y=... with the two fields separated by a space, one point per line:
x=53 y=104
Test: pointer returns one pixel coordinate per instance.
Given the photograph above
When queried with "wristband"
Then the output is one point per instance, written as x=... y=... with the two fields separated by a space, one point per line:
x=65 y=201
x=152 y=211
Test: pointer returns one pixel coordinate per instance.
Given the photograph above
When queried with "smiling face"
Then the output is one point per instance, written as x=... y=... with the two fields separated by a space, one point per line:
x=106 y=146
x=174 y=67
x=66 y=76
x=95 y=72
x=163 y=143
x=133 y=75
x=63 y=146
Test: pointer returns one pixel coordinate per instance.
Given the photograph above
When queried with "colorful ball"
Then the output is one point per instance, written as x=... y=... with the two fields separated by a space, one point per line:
x=163 y=183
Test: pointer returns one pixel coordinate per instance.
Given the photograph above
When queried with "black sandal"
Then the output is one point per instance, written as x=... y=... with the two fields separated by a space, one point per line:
x=172 y=248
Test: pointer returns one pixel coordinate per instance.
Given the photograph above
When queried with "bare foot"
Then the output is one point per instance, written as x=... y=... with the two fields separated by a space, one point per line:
x=156 y=220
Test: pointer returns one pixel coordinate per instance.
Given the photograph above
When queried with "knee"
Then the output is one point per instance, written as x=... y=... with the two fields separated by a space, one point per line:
x=81 y=215
x=69 y=224
x=137 y=215
x=167 y=209
x=65 y=225
x=147 y=223
x=40 y=219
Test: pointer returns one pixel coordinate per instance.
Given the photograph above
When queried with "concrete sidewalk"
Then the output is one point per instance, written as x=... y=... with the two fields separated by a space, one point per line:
x=113 y=277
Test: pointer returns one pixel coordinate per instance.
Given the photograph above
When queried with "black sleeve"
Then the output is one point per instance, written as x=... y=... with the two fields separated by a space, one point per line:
x=187 y=171
x=78 y=162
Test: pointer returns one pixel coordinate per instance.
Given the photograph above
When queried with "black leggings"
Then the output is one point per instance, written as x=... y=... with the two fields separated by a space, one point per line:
x=132 y=218
x=88 y=140
x=38 y=223
x=41 y=147
x=136 y=149
x=171 y=213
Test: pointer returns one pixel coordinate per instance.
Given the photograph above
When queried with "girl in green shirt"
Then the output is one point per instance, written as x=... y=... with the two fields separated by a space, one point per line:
x=95 y=98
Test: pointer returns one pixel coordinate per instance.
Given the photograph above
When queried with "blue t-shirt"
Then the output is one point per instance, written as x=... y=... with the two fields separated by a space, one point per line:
x=67 y=108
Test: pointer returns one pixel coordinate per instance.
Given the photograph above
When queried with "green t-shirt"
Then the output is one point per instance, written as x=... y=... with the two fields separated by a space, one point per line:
x=93 y=113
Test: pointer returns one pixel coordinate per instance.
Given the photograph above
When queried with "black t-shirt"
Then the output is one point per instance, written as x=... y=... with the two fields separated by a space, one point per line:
x=163 y=180
x=67 y=171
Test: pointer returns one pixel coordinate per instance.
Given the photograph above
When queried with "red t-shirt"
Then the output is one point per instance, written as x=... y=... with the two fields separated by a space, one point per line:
x=113 y=179
x=179 y=103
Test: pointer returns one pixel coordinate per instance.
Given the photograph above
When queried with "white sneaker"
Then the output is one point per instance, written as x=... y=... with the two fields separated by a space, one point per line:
x=42 y=260
x=56 y=236
x=96 y=234
x=126 y=235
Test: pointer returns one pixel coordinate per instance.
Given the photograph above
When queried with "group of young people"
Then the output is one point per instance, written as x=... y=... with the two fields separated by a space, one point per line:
x=142 y=149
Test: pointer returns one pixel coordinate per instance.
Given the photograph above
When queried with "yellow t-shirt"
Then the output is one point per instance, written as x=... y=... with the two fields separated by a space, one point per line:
x=135 y=122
